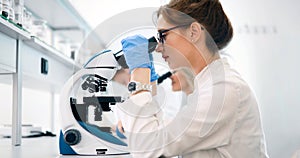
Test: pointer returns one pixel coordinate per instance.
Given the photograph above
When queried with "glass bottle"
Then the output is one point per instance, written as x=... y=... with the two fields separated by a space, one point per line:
x=18 y=9
x=38 y=28
x=27 y=19
x=6 y=8
x=0 y=6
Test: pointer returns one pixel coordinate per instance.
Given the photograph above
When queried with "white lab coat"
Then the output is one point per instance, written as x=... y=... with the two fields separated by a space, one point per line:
x=171 y=102
x=221 y=120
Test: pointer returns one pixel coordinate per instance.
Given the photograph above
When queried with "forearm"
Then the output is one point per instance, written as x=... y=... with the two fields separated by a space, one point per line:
x=143 y=75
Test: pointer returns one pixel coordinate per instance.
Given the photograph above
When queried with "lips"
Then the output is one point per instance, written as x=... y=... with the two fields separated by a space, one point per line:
x=165 y=57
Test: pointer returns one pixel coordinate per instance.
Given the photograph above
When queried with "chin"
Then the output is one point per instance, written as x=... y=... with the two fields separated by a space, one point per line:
x=175 y=89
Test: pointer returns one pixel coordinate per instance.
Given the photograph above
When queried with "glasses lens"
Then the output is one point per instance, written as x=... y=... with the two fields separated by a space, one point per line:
x=162 y=33
x=160 y=37
x=157 y=37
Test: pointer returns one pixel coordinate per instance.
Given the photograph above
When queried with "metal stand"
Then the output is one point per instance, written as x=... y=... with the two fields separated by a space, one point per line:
x=17 y=100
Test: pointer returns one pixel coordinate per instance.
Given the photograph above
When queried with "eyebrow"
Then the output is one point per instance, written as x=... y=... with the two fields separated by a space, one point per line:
x=164 y=30
x=172 y=28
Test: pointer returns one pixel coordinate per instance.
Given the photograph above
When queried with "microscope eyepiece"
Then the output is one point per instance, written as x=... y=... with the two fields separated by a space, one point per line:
x=163 y=77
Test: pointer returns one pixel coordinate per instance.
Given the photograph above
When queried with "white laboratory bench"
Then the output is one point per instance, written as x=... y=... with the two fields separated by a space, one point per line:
x=43 y=147
x=46 y=147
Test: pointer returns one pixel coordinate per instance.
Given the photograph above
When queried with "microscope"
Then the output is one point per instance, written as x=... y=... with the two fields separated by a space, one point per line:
x=88 y=88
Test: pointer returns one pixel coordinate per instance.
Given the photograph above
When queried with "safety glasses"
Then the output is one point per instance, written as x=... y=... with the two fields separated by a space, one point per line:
x=161 y=35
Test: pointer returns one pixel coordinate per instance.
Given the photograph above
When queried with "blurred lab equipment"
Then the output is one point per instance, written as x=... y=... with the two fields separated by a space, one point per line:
x=11 y=15
x=18 y=10
x=41 y=31
x=0 y=6
x=27 y=20
x=7 y=8
x=163 y=77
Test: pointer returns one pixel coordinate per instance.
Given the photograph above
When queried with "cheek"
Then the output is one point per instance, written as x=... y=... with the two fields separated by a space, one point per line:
x=177 y=58
x=178 y=50
x=177 y=41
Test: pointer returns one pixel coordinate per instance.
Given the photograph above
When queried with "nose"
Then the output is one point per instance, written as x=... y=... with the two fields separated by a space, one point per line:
x=159 y=48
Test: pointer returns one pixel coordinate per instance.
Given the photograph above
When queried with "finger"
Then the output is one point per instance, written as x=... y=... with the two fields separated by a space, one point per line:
x=120 y=127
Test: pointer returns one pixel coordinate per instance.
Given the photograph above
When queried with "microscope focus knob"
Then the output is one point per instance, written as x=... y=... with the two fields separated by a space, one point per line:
x=72 y=137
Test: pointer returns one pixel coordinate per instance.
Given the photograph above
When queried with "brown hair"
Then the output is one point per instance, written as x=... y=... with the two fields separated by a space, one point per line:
x=208 y=13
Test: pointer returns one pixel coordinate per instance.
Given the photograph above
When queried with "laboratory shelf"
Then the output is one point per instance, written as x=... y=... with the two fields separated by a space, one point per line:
x=52 y=52
x=16 y=32
x=12 y=30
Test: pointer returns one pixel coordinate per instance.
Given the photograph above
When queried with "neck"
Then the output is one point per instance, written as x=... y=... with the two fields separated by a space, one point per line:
x=206 y=58
x=187 y=91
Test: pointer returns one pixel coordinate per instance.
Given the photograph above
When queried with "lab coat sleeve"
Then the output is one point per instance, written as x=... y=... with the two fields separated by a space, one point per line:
x=205 y=123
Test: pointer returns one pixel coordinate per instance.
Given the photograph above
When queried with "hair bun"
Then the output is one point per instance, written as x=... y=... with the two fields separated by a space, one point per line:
x=208 y=13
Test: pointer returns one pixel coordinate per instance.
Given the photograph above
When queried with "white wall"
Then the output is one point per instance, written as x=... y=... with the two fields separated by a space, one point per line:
x=266 y=51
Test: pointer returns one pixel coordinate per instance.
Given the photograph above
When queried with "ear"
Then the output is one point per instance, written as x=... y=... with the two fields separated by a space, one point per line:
x=195 y=31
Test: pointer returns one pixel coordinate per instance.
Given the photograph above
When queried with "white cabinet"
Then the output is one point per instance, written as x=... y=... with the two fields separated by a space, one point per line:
x=9 y=35
x=58 y=70
x=7 y=54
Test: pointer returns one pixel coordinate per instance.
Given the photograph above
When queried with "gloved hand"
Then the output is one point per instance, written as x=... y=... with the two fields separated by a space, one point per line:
x=135 y=50
x=153 y=75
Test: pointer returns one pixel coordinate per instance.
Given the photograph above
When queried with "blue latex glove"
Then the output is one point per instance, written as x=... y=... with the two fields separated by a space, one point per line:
x=135 y=50
x=154 y=76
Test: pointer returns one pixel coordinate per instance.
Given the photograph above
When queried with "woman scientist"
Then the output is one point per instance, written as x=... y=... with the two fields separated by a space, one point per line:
x=221 y=118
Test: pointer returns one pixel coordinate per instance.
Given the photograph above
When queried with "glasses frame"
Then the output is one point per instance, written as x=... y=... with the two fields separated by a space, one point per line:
x=161 y=33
